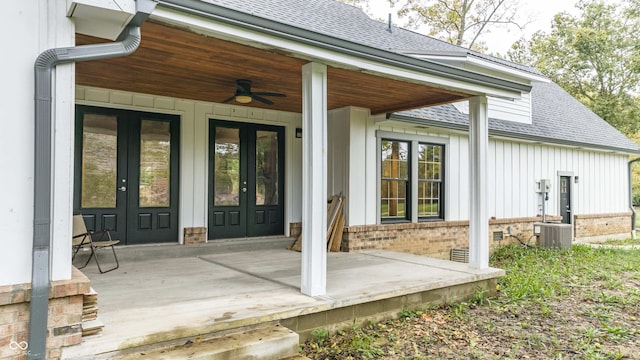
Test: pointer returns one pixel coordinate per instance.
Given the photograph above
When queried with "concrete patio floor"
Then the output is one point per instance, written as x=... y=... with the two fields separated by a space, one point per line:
x=154 y=299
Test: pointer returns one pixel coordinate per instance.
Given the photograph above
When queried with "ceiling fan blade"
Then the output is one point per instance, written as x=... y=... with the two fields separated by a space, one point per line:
x=262 y=93
x=261 y=99
x=229 y=99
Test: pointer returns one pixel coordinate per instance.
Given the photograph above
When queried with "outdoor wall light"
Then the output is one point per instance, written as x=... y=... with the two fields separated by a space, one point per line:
x=575 y=180
x=299 y=133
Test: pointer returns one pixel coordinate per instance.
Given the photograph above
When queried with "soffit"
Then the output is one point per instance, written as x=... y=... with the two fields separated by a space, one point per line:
x=178 y=63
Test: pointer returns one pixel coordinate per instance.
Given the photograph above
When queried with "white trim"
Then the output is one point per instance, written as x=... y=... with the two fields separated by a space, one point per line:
x=333 y=58
x=478 y=183
x=506 y=69
x=461 y=59
x=313 y=277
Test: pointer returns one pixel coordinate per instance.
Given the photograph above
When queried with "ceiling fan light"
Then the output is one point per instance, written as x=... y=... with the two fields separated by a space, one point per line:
x=243 y=99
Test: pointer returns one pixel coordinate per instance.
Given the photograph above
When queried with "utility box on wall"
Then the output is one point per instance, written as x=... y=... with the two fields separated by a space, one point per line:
x=553 y=235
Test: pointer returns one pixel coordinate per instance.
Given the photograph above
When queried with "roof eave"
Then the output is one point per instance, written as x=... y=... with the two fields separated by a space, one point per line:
x=512 y=135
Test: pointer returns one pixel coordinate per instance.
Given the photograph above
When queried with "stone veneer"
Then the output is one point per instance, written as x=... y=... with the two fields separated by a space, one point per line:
x=65 y=316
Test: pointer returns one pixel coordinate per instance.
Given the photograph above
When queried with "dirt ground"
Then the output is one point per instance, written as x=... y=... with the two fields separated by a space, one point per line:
x=594 y=316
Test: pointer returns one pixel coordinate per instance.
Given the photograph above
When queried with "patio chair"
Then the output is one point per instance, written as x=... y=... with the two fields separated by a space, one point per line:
x=85 y=239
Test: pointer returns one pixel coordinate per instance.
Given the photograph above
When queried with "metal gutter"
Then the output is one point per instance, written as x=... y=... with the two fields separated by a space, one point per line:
x=251 y=22
x=634 y=215
x=510 y=135
x=127 y=43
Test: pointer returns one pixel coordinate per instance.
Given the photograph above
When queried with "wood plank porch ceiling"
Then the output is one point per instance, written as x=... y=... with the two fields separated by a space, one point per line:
x=178 y=63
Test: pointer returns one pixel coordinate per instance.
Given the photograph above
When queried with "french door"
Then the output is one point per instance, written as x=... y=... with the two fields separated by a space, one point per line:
x=246 y=180
x=126 y=173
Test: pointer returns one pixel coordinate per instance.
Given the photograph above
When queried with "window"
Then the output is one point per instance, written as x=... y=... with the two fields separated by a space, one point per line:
x=394 y=180
x=430 y=185
x=411 y=180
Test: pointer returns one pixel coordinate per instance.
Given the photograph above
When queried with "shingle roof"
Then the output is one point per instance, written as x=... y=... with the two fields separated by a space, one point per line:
x=557 y=116
x=347 y=22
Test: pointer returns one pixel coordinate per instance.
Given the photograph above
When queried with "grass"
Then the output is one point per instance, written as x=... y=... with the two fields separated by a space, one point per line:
x=581 y=303
x=623 y=242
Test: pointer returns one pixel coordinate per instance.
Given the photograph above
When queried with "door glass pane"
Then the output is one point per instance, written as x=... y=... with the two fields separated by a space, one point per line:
x=99 y=161
x=226 y=173
x=266 y=168
x=155 y=161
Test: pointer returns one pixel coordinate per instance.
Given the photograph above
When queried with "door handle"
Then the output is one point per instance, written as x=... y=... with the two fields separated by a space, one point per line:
x=244 y=189
x=122 y=188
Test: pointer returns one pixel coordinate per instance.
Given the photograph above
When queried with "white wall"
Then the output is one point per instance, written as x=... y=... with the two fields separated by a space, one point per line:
x=602 y=179
x=350 y=135
x=28 y=28
x=518 y=110
x=514 y=167
x=194 y=145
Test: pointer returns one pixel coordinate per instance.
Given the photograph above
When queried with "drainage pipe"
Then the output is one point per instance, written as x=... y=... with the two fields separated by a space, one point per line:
x=633 y=211
x=127 y=43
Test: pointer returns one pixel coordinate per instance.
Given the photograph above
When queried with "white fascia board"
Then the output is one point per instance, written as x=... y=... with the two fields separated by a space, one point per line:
x=461 y=60
x=328 y=57
x=101 y=18
x=506 y=69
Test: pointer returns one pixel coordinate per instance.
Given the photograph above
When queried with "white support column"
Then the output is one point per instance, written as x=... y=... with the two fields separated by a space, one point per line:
x=478 y=179
x=314 y=179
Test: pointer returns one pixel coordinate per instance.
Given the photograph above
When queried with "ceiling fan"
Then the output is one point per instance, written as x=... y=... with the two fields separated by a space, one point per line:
x=244 y=95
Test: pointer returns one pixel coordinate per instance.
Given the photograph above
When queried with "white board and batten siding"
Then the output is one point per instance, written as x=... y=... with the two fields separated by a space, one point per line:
x=514 y=168
x=601 y=187
x=518 y=110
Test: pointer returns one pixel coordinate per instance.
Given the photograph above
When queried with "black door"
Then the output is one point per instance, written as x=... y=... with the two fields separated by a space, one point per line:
x=127 y=173
x=565 y=199
x=246 y=180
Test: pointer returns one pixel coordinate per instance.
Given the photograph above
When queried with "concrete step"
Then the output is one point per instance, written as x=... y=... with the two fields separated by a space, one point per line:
x=272 y=342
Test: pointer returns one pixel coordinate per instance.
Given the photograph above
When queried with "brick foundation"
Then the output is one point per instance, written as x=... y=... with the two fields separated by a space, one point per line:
x=65 y=316
x=602 y=226
x=295 y=229
x=195 y=235
x=435 y=239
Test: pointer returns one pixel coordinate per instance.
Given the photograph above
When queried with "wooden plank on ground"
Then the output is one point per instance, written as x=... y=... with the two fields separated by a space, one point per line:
x=332 y=209
x=332 y=217
x=297 y=245
x=336 y=241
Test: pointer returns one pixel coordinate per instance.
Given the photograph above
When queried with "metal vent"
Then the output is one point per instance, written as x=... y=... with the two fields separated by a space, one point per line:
x=460 y=255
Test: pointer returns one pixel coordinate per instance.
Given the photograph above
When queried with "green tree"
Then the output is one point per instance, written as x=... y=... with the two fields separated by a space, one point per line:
x=460 y=22
x=594 y=56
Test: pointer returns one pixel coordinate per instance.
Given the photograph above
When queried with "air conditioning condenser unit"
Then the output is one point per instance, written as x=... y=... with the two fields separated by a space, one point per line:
x=553 y=235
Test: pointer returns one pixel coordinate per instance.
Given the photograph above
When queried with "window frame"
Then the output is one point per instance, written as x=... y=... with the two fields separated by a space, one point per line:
x=412 y=193
x=408 y=193
x=441 y=183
